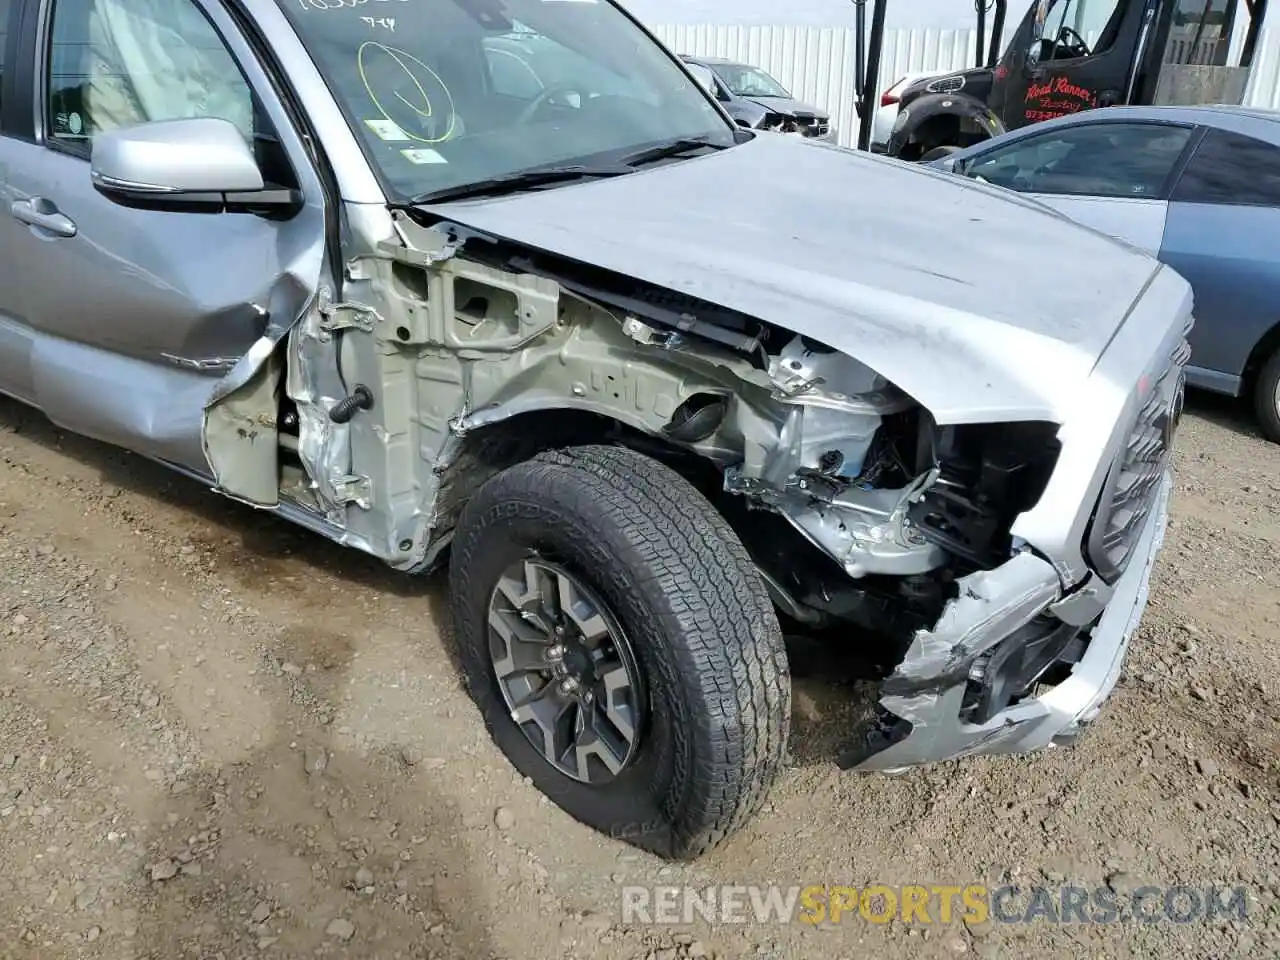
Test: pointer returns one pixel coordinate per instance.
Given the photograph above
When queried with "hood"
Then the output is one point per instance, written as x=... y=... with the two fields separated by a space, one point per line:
x=980 y=305
x=788 y=107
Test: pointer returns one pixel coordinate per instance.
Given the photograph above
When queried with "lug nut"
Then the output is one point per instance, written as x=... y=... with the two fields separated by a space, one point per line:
x=555 y=652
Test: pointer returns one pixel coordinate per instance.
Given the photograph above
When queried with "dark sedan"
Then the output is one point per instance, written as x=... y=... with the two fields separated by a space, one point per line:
x=757 y=100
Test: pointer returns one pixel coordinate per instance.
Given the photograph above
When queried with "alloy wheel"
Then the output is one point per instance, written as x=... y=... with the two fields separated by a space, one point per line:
x=566 y=671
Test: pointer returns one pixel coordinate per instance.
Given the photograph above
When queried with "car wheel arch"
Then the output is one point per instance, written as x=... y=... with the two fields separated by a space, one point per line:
x=938 y=119
x=486 y=450
x=1261 y=383
x=1267 y=345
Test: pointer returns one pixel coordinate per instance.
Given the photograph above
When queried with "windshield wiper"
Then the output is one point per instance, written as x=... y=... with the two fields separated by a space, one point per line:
x=672 y=148
x=516 y=182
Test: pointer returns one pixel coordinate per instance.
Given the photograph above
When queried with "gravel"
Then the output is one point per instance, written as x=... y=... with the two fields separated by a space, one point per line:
x=223 y=737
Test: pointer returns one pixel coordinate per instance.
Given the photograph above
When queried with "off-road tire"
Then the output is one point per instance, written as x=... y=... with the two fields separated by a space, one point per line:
x=682 y=587
x=937 y=153
x=1265 y=400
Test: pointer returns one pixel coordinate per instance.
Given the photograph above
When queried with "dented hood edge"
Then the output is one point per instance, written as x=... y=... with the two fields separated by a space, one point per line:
x=964 y=368
x=975 y=338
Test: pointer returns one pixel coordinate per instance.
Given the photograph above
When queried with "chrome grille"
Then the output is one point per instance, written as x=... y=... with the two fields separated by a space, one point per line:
x=1135 y=477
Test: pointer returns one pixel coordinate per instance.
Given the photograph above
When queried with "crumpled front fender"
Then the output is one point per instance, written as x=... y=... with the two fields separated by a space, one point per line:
x=928 y=108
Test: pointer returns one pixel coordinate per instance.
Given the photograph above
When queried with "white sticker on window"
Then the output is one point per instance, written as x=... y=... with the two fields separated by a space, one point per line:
x=387 y=130
x=423 y=155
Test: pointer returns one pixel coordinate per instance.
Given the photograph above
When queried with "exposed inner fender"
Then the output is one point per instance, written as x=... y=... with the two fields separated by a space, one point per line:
x=941 y=119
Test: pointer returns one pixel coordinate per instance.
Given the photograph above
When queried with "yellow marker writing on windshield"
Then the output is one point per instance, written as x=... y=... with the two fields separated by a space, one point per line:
x=422 y=107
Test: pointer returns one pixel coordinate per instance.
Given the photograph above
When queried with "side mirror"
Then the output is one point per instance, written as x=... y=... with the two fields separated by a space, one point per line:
x=200 y=165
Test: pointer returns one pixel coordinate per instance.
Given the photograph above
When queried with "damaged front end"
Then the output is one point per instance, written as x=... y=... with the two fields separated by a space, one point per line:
x=872 y=525
x=1002 y=671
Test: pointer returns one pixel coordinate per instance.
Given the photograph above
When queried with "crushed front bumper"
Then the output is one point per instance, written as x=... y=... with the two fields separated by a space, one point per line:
x=930 y=698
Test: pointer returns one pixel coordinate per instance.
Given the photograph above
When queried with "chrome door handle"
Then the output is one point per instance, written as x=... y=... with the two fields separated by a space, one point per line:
x=43 y=214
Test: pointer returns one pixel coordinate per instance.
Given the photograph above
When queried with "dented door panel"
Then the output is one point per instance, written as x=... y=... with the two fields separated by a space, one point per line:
x=135 y=320
x=132 y=320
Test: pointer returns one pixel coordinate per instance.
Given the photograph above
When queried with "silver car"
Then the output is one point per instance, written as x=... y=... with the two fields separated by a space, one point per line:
x=305 y=252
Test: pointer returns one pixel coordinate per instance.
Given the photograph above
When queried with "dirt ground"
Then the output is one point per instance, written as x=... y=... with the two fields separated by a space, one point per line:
x=221 y=737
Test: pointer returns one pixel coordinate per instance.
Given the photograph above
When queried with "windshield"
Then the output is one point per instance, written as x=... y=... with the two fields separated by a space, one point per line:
x=445 y=93
x=744 y=81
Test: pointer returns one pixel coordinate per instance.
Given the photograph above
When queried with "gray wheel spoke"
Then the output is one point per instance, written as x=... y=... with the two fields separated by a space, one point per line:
x=545 y=584
x=596 y=746
x=617 y=708
x=548 y=714
x=521 y=655
x=514 y=591
x=516 y=644
x=582 y=612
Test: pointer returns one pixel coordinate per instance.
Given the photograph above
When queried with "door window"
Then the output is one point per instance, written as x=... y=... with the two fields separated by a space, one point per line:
x=1099 y=159
x=116 y=63
x=1230 y=168
x=1074 y=29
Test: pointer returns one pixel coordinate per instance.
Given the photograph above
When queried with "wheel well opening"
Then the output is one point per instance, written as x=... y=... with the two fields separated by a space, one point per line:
x=1262 y=350
x=942 y=129
x=488 y=450
x=812 y=594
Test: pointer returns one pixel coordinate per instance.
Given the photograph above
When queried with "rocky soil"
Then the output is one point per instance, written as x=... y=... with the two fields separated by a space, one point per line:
x=221 y=737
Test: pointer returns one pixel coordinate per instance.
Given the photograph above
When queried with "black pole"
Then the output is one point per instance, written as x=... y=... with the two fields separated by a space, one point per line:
x=859 y=49
x=871 y=80
x=1257 y=10
x=980 y=45
x=997 y=33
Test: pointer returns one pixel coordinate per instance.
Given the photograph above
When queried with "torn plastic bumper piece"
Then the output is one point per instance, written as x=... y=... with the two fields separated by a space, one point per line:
x=950 y=696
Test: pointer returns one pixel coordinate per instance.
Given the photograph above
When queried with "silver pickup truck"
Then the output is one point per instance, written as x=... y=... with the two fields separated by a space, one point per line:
x=497 y=284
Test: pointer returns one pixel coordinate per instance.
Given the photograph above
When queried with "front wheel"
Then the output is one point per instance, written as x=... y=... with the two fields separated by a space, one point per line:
x=1266 y=398
x=621 y=646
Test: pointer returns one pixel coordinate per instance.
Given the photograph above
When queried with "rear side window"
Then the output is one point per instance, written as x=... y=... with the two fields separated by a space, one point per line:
x=1230 y=168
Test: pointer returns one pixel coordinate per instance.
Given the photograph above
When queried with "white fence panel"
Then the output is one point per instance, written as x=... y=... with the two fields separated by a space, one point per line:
x=816 y=63
x=1264 y=84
